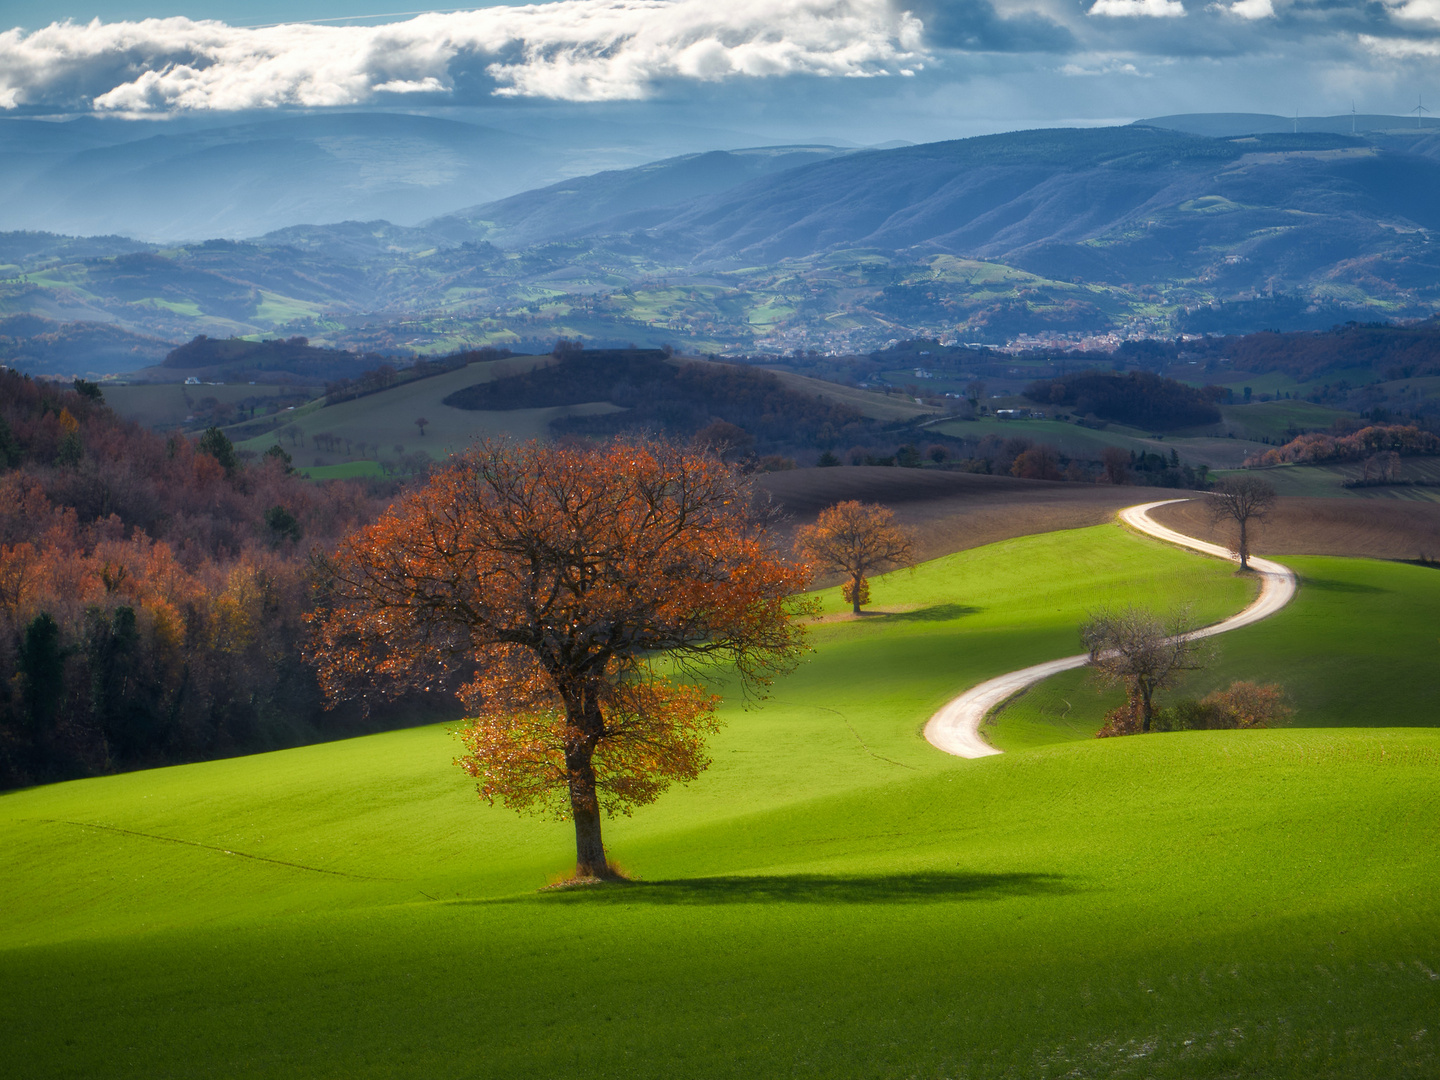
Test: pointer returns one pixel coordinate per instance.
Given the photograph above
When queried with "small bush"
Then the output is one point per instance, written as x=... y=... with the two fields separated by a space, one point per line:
x=1241 y=705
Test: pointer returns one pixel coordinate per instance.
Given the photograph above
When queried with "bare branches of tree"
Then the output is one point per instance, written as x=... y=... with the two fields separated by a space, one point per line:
x=1144 y=652
x=1241 y=499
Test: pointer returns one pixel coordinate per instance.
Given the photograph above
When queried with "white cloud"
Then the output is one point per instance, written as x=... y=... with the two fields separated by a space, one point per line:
x=576 y=50
x=1249 y=9
x=1421 y=11
x=1114 y=67
x=1155 y=9
x=1400 y=48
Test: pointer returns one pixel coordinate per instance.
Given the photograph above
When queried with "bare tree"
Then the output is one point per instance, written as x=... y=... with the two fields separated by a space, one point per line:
x=1138 y=649
x=421 y=423
x=1241 y=499
x=1117 y=464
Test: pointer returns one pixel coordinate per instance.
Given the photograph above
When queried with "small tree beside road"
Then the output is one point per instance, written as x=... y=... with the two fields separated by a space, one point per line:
x=856 y=539
x=1241 y=499
x=1143 y=652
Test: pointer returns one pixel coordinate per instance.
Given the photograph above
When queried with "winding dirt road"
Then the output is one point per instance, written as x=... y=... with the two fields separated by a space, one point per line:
x=956 y=727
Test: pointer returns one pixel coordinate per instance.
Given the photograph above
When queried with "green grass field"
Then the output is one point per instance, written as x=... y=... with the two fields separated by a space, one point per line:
x=1275 y=419
x=387 y=419
x=832 y=899
x=1328 y=481
x=1334 y=674
x=377 y=423
x=159 y=405
x=1217 y=451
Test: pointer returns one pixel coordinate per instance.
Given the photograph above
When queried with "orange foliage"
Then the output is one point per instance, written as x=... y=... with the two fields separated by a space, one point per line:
x=1317 y=446
x=855 y=539
x=148 y=611
x=541 y=583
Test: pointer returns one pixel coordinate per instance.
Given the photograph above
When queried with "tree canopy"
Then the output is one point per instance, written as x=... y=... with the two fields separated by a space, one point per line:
x=572 y=596
x=856 y=539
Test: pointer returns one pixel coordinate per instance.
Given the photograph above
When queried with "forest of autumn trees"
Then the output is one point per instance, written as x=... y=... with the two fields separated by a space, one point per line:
x=152 y=590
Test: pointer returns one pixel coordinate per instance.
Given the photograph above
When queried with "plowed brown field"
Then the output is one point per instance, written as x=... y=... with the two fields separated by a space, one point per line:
x=952 y=511
x=1377 y=528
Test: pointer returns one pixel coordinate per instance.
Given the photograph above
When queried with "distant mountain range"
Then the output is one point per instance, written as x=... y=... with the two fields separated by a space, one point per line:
x=193 y=178
x=1152 y=227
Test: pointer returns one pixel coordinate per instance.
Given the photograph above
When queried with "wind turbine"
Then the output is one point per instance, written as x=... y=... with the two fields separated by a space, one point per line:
x=1296 y=129
x=1419 y=109
x=1352 y=116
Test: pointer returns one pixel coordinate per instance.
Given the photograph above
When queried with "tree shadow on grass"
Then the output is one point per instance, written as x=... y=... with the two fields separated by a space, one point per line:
x=1328 y=585
x=918 y=888
x=933 y=613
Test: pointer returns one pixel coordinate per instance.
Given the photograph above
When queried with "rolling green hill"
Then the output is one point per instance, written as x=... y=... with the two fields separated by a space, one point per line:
x=1067 y=232
x=368 y=428
x=832 y=899
x=1334 y=676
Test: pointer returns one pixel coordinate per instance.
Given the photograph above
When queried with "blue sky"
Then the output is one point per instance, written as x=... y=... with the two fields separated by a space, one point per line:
x=864 y=69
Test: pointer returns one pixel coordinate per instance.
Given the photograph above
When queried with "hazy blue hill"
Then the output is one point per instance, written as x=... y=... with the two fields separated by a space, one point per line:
x=41 y=345
x=1252 y=231
x=250 y=178
x=24 y=249
x=359 y=241
x=992 y=197
x=620 y=200
x=1227 y=125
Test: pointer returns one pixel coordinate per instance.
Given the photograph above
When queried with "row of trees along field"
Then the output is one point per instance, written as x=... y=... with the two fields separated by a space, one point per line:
x=152 y=590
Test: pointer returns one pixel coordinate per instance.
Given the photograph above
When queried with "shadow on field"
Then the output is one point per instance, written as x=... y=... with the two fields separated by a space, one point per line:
x=817 y=889
x=933 y=613
x=1327 y=585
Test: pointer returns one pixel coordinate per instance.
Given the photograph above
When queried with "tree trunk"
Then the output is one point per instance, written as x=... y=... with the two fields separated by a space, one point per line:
x=1147 y=711
x=1244 y=547
x=589 y=847
x=855 y=592
x=584 y=805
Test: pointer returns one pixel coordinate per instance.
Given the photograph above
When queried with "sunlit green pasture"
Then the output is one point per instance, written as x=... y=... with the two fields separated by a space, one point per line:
x=1359 y=646
x=832 y=899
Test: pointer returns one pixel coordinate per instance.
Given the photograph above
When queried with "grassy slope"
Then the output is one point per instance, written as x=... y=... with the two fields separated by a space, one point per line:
x=388 y=418
x=162 y=404
x=1328 y=481
x=812 y=909
x=1336 y=674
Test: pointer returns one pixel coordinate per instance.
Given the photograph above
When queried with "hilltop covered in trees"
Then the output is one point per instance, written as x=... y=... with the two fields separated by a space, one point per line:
x=152 y=590
x=680 y=398
x=1138 y=398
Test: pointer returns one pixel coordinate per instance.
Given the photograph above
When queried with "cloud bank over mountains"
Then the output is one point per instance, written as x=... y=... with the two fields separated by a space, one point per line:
x=572 y=50
x=589 y=51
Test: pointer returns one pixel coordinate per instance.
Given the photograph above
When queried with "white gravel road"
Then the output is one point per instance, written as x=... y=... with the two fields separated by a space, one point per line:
x=956 y=727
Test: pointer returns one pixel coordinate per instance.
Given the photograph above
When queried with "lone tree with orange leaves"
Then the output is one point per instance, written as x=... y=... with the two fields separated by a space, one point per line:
x=573 y=594
x=856 y=539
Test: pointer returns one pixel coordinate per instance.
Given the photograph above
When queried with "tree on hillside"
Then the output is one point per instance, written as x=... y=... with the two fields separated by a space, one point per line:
x=560 y=589
x=218 y=445
x=856 y=539
x=1142 y=652
x=1241 y=499
x=422 y=424
x=1117 y=464
x=1039 y=462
